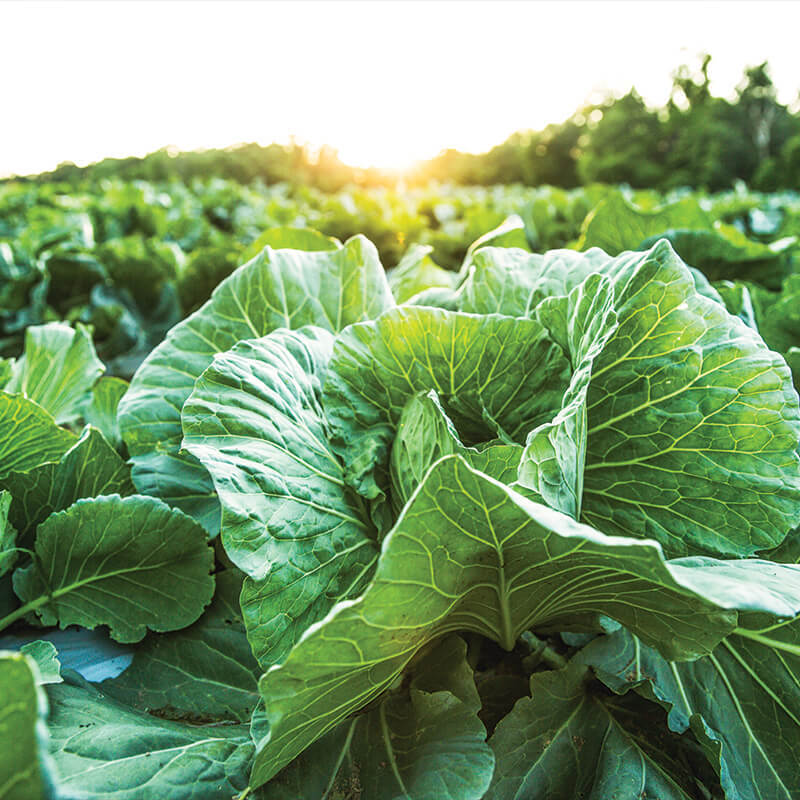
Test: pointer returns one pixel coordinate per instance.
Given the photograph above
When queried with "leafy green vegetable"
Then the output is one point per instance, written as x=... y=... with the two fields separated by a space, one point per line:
x=674 y=448
x=130 y=563
x=468 y=543
x=494 y=375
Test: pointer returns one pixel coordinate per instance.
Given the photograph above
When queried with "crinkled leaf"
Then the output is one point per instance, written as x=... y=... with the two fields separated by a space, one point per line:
x=29 y=436
x=693 y=424
x=566 y=741
x=469 y=553
x=25 y=769
x=278 y=288
x=424 y=741
x=203 y=673
x=130 y=563
x=255 y=421
x=104 y=749
x=57 y=369
x=91 y=467
x=514 y=282
x=491 y=373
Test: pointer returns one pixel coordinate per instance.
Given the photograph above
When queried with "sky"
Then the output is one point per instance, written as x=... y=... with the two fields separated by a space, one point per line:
x=385 y=83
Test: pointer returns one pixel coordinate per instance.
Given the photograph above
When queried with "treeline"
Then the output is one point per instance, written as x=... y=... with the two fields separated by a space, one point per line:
x=696 y=140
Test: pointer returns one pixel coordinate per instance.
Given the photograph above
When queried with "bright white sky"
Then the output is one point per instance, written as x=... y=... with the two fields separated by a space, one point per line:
x=386 y=83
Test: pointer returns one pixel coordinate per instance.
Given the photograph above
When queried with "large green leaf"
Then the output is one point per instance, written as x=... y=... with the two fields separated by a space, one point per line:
x=29 y=436
x=422 y=742
x=493 y=375
x=255 y=421
x=468 y=553
x=57 y=369
x=278 y=288
x=743 y=701
x=104 y=749
x=693 y=424
x=25 y=769
x=91 y=467
x=567 y=741
x=130 y=563
x=203 y=673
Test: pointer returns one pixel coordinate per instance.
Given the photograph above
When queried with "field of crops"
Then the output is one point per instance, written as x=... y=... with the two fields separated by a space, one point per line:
x=437 y=494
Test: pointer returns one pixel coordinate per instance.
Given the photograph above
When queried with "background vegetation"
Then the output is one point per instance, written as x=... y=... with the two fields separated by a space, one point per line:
x=696 y=139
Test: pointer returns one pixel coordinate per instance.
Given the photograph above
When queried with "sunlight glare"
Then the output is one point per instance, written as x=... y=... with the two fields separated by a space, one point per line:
x=386 y=84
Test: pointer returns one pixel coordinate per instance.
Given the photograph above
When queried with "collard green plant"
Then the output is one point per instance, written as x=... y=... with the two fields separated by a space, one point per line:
x=568 y=448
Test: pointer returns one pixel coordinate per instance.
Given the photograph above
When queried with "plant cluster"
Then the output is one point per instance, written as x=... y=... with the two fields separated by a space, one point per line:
x=524 y=530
